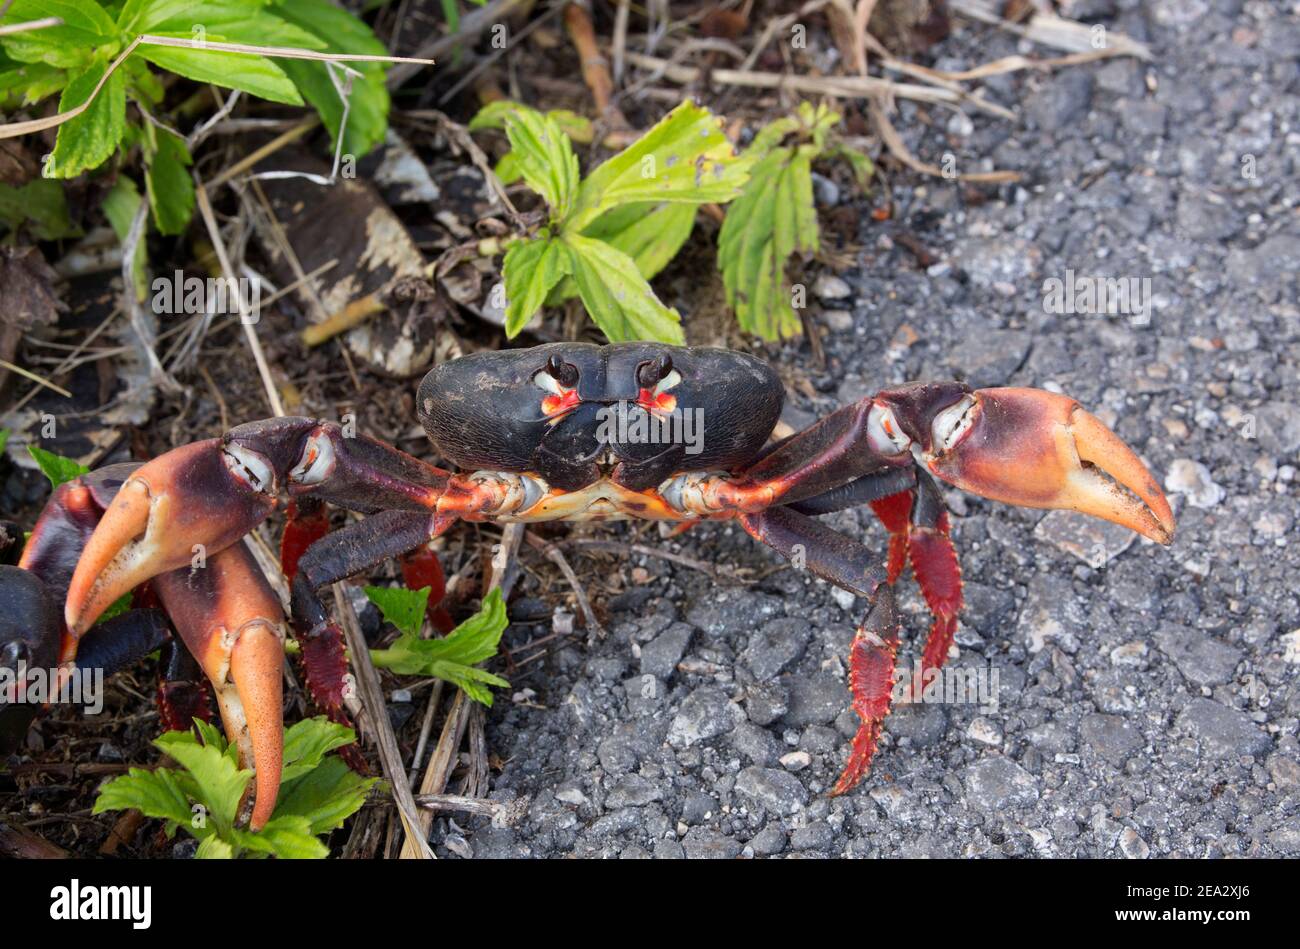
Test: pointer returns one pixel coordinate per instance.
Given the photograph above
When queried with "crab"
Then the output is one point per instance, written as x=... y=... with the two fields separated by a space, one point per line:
x=563 y=431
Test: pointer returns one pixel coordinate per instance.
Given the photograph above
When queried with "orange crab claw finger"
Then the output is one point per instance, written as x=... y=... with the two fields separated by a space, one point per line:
x=1041 y=449
x=231 y=621
x=187 y=497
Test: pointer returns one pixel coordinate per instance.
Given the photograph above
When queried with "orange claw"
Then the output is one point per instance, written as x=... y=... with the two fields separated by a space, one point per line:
x=1042 y=449
x=187 y=497
x=231 y=621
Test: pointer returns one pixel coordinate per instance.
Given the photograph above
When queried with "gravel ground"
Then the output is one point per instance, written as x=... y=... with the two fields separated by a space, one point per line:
x=1147 y=702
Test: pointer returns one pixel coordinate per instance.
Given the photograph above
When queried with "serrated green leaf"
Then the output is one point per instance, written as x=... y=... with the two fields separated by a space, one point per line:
x=616 y=296
x=226 y=21
x=213 y=847
x=153 y=793
x=308 y=742
x=530 y=270
x=863 y=168
x=168 y=183
x=544 y=158
x=210 y=735
x=29 y=83
x=402 y=607
x=651 y=234
x=120 y=207
x=579 y=128
x=684 y=157
x=340 y=32
x=250 y=73
x=89 y=139
x=288 y=837
x=40 y=205
x=55 y=467
x=86 y=27
x=774 y=218
x=453 y=657
x=326 y=796
x=217 y=782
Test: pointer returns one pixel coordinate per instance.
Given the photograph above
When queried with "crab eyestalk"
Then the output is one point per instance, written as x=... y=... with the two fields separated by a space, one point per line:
x=1031 y=448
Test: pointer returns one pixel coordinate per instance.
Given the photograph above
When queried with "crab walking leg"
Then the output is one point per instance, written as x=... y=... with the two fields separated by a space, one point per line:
x=847 y=564
x=919 y=531
x=335 y=557
x=182 y=691
x=229 y=617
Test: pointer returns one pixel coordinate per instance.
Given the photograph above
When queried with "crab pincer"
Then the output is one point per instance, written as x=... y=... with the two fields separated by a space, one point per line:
x=178 y=521
x=230 y=619
x=1031 y=448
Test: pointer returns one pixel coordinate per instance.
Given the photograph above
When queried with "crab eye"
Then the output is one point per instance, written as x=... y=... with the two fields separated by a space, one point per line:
x=557 y=376
x=249 y=467
x=650 y=374
x=884 y=433
x=317 y=461
x=952 y=423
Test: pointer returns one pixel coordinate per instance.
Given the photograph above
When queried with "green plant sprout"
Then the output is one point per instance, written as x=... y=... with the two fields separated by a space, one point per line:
x=606 y=234
x=775 y=218
x=318 y=792
x=615 y=226
x=453 y=658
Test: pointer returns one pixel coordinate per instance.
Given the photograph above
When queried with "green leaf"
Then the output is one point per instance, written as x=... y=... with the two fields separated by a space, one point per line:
x=212 y=737
x=41 y=205
x=218 y=783
x=530 y=270
x=29 y=83
x=340 y=32
x=616 y=295
x=288 y=837
x=326 y=796
x=87 y=141
x=169 y=185
x=493 y=116
x=308 y=742
x=225 y=21
x=774 y=218
x=453 y=657
x=153 y=793
x=402 y=607
x=651 y=234
x=213 y=847
x=86 y=27
x=684 y=157
x=863 y=168
x=245 y=71
x=318 y=793
x=544 y=158
x=4 y=440
x=120 y=207
x=119 y=606
x=55 y=467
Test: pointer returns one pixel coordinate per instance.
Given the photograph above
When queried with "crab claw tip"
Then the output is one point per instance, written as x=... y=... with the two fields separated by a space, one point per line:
x=186 y=501
x=1041 y=449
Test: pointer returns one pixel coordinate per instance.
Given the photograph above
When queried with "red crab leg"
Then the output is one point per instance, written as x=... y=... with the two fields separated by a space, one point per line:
x=850 y=565
x=871 y=680
x=421 y=568
x=306 y=521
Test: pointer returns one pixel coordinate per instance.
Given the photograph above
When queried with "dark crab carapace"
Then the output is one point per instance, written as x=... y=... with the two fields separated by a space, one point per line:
x=577 y=431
